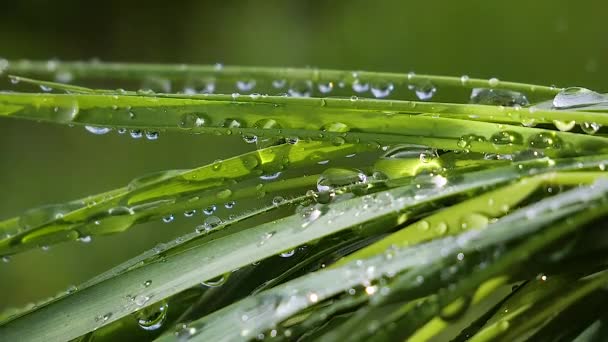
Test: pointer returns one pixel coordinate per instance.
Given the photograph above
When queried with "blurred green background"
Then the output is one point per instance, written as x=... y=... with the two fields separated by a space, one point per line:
x=542 y=41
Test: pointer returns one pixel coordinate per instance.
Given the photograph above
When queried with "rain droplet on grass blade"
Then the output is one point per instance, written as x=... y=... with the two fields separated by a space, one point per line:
x=577 y=97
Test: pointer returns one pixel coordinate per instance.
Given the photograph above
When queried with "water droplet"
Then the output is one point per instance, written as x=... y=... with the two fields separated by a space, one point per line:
x=498 y=97
x=85 y=239
x=217 y=281
x=338 y=177
x=545 y=140
x=141 y=300
x=136 y=133
x=152 y=318
x=210 y=223
x=150 y=135
x=265 y=237
x=464 y=79
x=278 y=84
x=250 y=139
x=590 y=127
x=6 y=259
x=577 y=97
x=336 y=127
x=300 y=88
x=360 y=87
x=168 y=218
x=246 y=85
x=278 y=200
x=232 y=123
x=271 y=176
x=103 y=318
x=493 y=82
x=210 y=209
x=230 y=205
x=189 y=213
x=506 y=138
x=309 y=214
x=288 y=254
x=121 y=130
x=425 y=91
x=45 y=88
x=97 y=130
x=564 y=126
x=354 y=98
x=382 y=89
x=325 y=88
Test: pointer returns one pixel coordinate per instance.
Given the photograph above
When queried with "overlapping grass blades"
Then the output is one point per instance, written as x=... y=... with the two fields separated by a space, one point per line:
x=416 y=247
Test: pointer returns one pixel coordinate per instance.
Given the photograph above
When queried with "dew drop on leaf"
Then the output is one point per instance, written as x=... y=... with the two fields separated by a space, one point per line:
x=152 y=318
x=97 y=130
x=168 y=218
x=498 y=97
x=577 y=97
x=590 y=127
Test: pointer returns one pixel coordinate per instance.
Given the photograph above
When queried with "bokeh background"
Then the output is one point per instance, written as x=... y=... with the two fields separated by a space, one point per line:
x=557 y=42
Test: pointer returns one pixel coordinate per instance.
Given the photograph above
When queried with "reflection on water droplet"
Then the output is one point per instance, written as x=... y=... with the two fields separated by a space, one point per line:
x=545 y=140
x=245 y=85
x=577 y=97
x=150 y=135
x=590 y=127
x=506 y=138
x=360 y=87
x=300 y=88
x=152 y=318
x=278 y=84
x=136 y=133
x=425 y=91
x=332 y=178
x=288 y=254
x=265 y=237
x=168 y=218
x=97 y=130
x=382 y=89
x=325 y=88
x=210 y=209
x=498 y=97
x=230 y=205
x=564 y=126
x=217 y=281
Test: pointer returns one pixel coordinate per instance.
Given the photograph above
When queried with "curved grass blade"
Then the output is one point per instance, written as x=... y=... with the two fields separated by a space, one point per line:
x=178 y=271
x=260 y=75
x=536 y=114
x=412 y=317
x=459 y=217
x=155 y=194
x=279 y=117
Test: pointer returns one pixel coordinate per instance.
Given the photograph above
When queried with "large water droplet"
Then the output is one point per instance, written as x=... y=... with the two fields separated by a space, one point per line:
x=577 y=97
x=498 y=97
x=152 y=318
x=506 y=138
x=333 y=178
x=545 y=140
